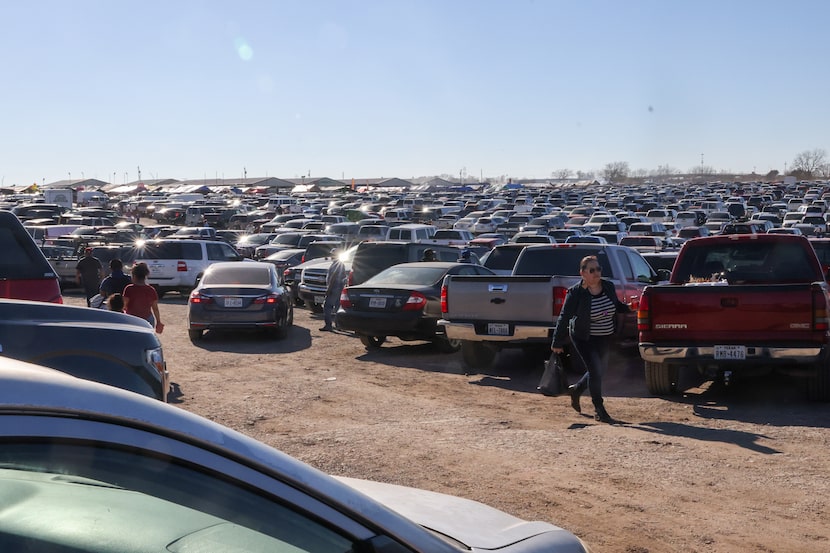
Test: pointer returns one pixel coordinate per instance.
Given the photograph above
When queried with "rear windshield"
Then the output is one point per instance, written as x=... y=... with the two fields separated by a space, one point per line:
x=502 y=259
x=20 y=257
x=558 y=261
x=170 y=250
x=746 y=262
x=372 y=260
x=239 y=274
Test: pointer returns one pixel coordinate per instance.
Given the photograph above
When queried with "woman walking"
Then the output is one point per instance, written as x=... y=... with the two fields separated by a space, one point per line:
x=589 y=316
x=141 y=299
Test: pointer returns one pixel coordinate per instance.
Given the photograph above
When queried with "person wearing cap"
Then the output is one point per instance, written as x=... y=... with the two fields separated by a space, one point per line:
x=88 y=273
x=429 y=255
x=335 y=280
x=465 y=256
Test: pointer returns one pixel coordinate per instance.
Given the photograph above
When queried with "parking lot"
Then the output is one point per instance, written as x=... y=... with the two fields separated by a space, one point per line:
x=715 y=470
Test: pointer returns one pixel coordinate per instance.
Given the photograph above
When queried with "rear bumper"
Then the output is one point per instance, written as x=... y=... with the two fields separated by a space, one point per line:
x=478 y=332
x=784 y=354
x=379 y=324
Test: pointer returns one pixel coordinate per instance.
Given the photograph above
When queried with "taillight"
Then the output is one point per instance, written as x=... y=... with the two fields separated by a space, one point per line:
x=444 y=307
x=643 y=316
x=270 y=298
x=415 y=302
x=820 y=321
x=196 y=297
x=559 y=294
x=350 y=280
x=344 y=299
x=181 y=267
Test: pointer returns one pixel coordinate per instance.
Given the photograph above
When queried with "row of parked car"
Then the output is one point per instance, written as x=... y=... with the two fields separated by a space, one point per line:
x=93 y=459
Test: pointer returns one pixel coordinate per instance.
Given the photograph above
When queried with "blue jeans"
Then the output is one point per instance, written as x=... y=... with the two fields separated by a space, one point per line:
x=593 y=356
x=330 y=307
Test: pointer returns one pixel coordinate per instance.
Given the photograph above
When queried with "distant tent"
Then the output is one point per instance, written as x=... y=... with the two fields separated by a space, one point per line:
x=513 y=186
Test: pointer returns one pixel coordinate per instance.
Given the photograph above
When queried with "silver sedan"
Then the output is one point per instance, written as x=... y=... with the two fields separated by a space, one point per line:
x=86 y=467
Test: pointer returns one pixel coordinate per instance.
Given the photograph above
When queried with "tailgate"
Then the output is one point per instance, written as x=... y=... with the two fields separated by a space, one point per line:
x=507 y=298
x=732 y=314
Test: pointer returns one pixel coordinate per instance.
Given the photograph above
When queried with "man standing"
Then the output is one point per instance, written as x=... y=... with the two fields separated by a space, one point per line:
x=117 y=281
x=88 y=273
x=335 y=278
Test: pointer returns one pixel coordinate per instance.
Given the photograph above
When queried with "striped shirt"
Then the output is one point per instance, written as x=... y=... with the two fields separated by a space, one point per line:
x=602 y=315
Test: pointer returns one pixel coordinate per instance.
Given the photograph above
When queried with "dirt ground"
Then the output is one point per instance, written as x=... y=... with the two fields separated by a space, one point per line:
x=711 y=470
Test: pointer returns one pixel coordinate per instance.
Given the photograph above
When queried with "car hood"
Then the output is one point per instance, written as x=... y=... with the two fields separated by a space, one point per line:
x=473 y=524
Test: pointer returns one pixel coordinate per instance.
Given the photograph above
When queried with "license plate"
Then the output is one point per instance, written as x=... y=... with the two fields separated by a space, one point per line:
x=498 y=329
x=319 y=300
x=730 y=352
x=378 y=303
x=233 y=302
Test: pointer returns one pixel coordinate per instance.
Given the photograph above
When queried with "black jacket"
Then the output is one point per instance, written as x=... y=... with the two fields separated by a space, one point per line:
x=575 y=318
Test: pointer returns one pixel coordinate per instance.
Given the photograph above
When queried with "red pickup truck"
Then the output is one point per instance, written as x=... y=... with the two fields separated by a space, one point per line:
x=736 y=306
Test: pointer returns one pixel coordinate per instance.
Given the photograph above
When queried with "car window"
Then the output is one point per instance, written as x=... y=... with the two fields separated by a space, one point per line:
x=244 y=273
x=81 y=495
x=424 y=276
x=220 y=252
x=21 y=258
x=642 y=270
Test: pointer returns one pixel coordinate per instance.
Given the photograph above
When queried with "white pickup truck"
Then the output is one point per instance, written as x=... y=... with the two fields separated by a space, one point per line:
x=520 y=311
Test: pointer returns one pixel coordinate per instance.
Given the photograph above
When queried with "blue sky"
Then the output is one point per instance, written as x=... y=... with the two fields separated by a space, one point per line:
x=388 y=88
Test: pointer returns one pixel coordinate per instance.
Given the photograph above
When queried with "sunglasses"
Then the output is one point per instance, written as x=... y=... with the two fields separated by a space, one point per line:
x=593 y=270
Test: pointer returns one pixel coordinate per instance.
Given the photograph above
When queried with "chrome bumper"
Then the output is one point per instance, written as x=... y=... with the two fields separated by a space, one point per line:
x=662 y=354
x=520 y=333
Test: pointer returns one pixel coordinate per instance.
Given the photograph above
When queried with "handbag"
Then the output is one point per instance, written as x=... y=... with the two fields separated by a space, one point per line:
x=554 y=381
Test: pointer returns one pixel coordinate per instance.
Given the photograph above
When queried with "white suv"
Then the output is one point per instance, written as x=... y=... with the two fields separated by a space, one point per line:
x=178 y=264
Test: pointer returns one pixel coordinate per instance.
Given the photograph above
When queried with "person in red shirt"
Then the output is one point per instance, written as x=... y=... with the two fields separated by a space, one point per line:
x=141 y=299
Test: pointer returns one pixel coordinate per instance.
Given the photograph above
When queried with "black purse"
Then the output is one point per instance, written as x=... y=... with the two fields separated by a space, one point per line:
x=554 y=381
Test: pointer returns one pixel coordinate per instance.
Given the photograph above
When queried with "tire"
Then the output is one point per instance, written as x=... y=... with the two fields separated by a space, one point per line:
x=194 y=334
x=372 y=342
x=818 y=385
x=661 y=378
x=447 y=345
x=477 y=355
x=281 y=332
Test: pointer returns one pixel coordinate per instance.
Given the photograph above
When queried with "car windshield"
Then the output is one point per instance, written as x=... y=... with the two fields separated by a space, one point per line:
x=70 y=496
x=410 y=274
x=238 y=274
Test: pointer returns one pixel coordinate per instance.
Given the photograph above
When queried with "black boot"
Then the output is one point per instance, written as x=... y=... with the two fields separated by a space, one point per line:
x=575 y=391
x=603 y=416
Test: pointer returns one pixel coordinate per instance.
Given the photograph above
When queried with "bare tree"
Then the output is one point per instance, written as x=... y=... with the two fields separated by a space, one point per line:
x=561 y=174
x=639 y=173
x=809 y=161
x=616 y=171
x=702 y=170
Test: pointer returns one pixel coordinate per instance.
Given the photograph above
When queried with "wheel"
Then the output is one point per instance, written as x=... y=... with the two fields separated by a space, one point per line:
x=446 y=345
x=818 y=385
x=661 y=378
x=281 y=332
x=194 y=334
x=477 y=355
x=372 y=342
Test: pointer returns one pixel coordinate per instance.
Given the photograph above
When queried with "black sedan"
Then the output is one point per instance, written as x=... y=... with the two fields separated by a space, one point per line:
x=234 y=296
x=402 y=301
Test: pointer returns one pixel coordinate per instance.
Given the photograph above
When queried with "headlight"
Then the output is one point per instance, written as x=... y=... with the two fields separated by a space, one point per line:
x=155 y=358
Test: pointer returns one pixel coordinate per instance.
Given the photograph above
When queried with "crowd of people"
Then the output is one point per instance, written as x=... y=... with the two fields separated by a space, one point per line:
x=118 y=291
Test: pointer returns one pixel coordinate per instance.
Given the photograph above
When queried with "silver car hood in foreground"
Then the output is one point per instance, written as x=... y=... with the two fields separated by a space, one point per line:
x=471 y=523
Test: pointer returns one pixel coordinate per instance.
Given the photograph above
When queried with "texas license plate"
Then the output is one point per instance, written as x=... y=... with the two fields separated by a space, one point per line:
x=730 y=352
x=378 y=303
x=233 y=302
x=498 y=329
